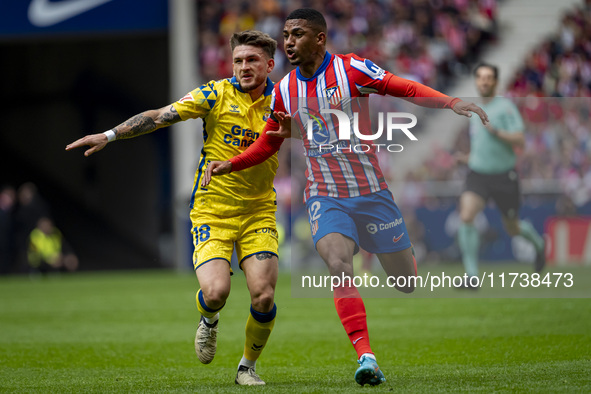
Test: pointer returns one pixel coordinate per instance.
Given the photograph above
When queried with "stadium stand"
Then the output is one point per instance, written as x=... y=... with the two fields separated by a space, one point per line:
x=429 y=41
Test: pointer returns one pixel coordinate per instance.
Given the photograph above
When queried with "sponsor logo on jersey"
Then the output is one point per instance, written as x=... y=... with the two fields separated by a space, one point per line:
x=266 y=230
x=373 y=228
x=240 y=136
x=374 y=69
x=234 y=108
x=386 y=226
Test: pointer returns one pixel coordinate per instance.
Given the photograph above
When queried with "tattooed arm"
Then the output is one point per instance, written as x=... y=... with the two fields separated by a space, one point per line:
x=137 y=125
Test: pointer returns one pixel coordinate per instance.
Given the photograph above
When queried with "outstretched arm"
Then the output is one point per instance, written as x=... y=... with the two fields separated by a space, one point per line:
x=465 y=108
x=137 y=125
x=427 y=97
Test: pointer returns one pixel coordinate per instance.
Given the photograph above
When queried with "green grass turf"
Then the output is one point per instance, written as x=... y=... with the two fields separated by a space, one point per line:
x=133 y=332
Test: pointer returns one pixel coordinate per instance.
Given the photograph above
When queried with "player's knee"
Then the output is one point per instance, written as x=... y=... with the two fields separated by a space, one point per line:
x=337 y=266
x=215 y=297
x=263 y=300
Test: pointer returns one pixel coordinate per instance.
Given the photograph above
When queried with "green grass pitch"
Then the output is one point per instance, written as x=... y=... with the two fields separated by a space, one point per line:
x=134 y=331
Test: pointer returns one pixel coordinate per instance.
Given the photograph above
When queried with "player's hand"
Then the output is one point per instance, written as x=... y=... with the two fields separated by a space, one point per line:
x=465 y=108
x=95 y=141
x=215 y=168
x=284 y=125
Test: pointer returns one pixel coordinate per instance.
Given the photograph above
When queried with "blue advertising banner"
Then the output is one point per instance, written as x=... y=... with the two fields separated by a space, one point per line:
x=21 y=18
x=441 y=225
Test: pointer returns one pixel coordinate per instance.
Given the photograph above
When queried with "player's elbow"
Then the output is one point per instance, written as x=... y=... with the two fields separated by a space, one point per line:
x=519 y=141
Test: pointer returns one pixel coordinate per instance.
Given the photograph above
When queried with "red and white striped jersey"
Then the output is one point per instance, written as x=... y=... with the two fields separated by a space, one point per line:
x=341 y=82
x=341 y=172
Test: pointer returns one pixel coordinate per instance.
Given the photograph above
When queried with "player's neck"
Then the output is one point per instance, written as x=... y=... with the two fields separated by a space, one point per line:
x=309 y=69
x=256 y=93
x=489 y=98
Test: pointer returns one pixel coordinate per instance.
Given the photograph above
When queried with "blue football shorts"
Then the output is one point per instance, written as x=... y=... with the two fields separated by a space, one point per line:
x=373 y=221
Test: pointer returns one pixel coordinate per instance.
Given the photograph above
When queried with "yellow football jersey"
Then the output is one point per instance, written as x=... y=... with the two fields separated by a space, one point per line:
x=231 y=123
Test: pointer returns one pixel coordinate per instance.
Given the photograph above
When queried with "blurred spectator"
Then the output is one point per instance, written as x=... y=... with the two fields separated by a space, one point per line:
x=561 y=65
x=48 y=251
x=30 y=209
x=7 y=205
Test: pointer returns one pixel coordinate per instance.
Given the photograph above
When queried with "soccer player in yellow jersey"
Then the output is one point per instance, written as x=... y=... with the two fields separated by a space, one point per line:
x=238 y=209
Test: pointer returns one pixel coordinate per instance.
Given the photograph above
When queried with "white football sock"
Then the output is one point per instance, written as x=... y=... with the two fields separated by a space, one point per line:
x=211 y=320
x=368 y=355
x=247 y=363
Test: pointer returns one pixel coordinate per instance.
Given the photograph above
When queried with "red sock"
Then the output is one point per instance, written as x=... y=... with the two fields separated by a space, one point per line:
x=351 y=311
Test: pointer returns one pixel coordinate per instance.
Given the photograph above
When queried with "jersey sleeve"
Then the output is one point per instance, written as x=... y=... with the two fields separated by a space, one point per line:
x=370 y=78
x=198 y=102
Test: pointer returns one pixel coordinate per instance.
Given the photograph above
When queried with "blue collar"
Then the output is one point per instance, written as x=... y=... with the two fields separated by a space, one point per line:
x=268 y=89
x=321 y=69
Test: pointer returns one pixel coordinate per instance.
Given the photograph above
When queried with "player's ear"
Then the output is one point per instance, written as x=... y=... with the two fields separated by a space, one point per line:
x=321 y=38
x=270 y=65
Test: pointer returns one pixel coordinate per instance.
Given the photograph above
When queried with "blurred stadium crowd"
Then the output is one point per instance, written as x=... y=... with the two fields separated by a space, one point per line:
x=429 y=41
x=558 y=126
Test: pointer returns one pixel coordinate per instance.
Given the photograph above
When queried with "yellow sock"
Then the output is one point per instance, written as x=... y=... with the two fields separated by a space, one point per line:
x=204 y=309
x=258 y=328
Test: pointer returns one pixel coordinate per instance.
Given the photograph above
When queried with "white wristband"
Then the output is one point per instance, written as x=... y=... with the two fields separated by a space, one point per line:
x=110 y=135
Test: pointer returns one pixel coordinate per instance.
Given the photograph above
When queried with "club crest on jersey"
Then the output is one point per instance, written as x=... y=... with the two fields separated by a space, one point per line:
x=334 y=95
x=267 y=114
